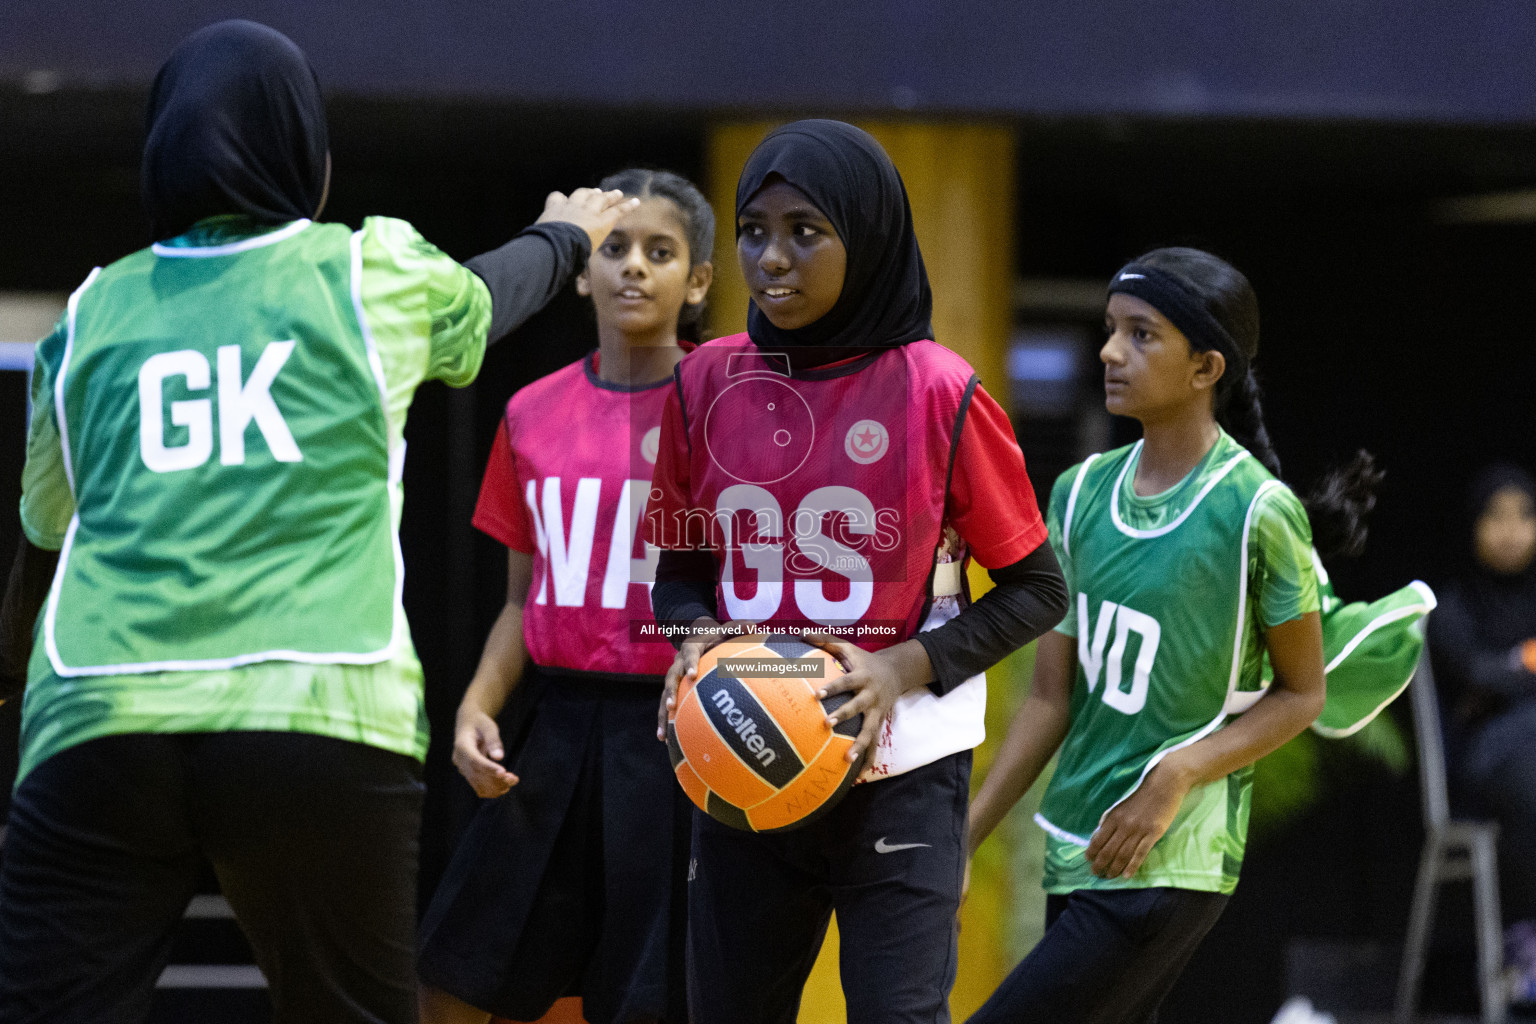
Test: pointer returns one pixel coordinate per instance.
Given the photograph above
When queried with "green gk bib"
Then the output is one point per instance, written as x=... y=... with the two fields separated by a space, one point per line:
x=223 y=425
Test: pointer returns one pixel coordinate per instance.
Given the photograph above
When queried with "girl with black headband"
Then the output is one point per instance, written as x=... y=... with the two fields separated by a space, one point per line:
x=872 y=434
x=211 y=503
x=1190 y=566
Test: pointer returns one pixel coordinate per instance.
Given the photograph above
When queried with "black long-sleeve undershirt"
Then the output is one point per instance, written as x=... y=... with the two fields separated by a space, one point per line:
x=685 y=589
x=1029 y=598
x=528 y=271
x=26 y=590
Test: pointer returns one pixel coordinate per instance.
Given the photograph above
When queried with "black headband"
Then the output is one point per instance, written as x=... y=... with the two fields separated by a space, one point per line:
x=1182 y=308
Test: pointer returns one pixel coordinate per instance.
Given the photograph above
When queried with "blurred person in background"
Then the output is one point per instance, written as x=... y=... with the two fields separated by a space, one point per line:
x=1483 y=640
x=211 y=502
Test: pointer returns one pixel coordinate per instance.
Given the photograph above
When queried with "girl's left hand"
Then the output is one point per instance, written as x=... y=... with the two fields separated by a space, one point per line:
x=1128 y=832
x=876 y=679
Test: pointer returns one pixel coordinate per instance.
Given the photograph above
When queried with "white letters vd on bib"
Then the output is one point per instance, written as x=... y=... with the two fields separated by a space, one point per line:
x=1091 y=656
x=239 y=404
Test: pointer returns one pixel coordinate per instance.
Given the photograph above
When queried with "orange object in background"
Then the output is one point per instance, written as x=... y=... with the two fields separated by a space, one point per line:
x=565 y=1011
x=1528 y=655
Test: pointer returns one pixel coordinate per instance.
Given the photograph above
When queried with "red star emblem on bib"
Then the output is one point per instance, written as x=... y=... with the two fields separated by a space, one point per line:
x=867 y=441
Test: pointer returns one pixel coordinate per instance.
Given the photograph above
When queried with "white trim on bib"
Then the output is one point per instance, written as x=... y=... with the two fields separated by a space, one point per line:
x=1385 y=619
x=396 y=473
x=196 y=252
x=396 y=468
x=1130 y=531
x=1066 y=522
x=1237 y=643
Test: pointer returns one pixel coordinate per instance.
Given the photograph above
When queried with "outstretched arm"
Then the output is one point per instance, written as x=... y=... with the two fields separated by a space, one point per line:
x=528 y=271
x=25 y=592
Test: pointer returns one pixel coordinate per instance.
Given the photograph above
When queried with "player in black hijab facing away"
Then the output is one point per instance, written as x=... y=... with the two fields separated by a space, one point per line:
x=201 y=157
x=293 y=767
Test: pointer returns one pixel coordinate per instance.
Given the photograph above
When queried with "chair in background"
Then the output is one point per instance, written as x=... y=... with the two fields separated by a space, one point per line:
x=1454 y=850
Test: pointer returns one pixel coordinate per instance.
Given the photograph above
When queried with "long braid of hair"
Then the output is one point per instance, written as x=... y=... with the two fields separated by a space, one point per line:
x=1242 y=416
x=1339 y=504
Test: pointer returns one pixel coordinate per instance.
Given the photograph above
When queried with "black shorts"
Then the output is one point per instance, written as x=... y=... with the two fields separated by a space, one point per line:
x=313 y=840
x=889 y=859
x=571 y=883
x=1108 y=957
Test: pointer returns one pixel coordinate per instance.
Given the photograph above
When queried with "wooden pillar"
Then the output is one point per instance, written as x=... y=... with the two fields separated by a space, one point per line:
x=961 y=181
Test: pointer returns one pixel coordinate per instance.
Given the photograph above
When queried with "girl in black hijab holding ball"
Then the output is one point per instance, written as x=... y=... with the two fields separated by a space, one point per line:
x=903 y=434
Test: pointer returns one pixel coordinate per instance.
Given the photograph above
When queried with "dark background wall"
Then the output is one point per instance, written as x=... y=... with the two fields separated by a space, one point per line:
x=1356 y=58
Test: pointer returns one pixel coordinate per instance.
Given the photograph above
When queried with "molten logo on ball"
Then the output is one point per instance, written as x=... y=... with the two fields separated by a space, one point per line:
x=745 y=728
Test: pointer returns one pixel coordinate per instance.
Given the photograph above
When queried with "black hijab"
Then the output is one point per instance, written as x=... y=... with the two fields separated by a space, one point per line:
x=1503 y=605
x=885 y=300
x=236 y=125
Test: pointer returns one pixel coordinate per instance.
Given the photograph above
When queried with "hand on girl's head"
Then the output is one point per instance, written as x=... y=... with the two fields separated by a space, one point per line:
x=642 y=274
x=591 y=209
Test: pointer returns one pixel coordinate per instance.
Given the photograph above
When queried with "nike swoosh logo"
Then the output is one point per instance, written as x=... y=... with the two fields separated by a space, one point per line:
x=881 y=846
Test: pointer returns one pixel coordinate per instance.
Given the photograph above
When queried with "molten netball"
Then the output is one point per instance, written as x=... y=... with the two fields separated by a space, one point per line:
x=749 y=738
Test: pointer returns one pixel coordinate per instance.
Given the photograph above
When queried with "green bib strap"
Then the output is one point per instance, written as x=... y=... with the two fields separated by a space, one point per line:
x=1371 y=650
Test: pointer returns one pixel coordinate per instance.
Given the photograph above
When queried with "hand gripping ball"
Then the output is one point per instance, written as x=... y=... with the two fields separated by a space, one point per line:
x=751 y=745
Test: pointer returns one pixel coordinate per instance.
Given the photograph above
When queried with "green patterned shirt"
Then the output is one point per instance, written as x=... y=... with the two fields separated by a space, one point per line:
x=1170 y=598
